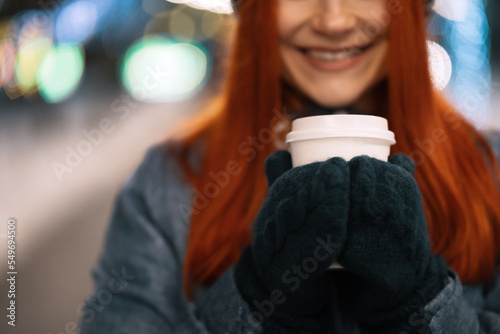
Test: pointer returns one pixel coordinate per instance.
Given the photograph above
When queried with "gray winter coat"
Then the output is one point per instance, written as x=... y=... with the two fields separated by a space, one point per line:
x=138 y=278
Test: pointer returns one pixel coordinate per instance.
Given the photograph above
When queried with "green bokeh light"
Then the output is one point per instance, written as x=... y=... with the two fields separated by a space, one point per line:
x=60 y=72
x=157 y=69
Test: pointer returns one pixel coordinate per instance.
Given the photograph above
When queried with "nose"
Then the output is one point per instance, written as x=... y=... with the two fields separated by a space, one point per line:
x=333 y=17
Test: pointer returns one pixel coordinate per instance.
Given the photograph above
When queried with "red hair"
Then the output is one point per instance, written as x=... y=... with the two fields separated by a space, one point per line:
x=456 y=170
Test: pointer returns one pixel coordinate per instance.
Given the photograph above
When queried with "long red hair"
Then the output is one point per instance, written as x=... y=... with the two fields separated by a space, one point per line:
x=456 y=169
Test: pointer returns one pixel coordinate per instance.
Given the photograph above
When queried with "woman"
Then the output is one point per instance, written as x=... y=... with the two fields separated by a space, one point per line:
x=219 y=234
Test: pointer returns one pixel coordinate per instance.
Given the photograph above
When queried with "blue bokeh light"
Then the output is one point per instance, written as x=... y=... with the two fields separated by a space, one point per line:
x=468 y=42
x=76 y=22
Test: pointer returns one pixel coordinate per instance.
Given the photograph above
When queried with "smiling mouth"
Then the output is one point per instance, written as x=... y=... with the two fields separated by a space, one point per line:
x=334 y=54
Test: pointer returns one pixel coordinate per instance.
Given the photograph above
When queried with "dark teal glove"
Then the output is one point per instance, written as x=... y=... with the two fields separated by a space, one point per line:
x=297 y=236
x=387 y=255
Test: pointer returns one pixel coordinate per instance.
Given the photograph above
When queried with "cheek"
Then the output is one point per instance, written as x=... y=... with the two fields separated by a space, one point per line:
x=292 y=17
x=380 y=59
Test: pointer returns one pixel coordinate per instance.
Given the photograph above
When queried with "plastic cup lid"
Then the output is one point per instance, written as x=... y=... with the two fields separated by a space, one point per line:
x=340 y=126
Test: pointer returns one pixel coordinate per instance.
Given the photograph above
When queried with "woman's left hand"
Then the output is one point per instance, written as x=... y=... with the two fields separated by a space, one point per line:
x=393 y=272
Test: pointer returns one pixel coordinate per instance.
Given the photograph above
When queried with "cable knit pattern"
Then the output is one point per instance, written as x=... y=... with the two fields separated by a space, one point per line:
x=387 y=250
x=297 y=236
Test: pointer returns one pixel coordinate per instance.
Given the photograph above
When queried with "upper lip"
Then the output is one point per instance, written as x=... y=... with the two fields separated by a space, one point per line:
x=335 y=49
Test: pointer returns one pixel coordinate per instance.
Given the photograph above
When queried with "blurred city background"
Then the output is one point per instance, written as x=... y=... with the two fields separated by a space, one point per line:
x=86 y=86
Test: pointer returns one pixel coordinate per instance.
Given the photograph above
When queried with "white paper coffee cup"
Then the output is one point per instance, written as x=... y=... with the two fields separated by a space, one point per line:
x=318 y=138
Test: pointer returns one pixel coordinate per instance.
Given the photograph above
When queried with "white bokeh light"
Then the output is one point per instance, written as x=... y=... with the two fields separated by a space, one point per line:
x=217 y=6
x=454 y=10
x=440 y=65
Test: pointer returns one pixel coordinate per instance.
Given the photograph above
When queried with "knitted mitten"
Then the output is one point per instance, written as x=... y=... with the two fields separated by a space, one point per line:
x=298 y=234
x=387 y=250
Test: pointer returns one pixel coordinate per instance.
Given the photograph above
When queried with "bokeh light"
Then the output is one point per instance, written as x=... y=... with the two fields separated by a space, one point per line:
x=455 y=10
x=76 y=22
x=217 y=6
x=103 y=7
x=468 y=43
x=29 y=25
x=192 y=24
x=28 y=59
x=157 y=69
x=60 y=72
x=182 y=25
x=440 y=65
x=7 y=62
x=181 y=21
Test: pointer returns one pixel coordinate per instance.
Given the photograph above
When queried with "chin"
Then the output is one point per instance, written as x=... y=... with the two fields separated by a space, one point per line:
x=333 y=99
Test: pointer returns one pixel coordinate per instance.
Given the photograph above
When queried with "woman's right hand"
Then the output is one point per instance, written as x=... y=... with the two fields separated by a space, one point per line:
x=298 y=234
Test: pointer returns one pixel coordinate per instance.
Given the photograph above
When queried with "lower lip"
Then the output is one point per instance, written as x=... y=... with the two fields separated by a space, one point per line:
x=334 y=65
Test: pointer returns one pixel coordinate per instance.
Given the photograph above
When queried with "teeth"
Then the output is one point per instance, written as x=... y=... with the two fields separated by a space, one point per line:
x=332 y=56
